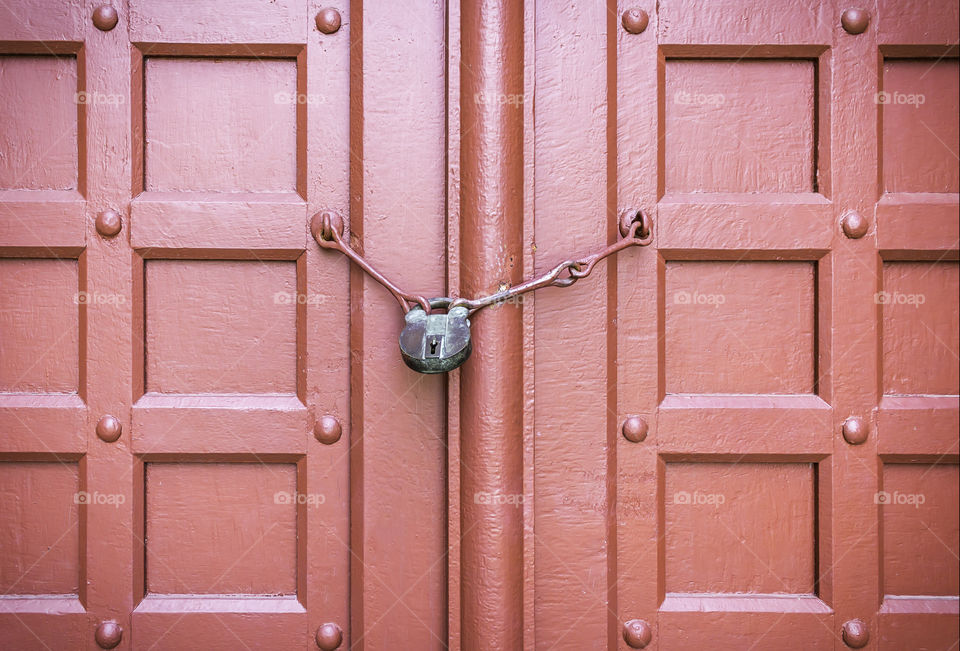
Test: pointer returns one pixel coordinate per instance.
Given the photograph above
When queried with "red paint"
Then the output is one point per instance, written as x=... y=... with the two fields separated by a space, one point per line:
x=742 y=435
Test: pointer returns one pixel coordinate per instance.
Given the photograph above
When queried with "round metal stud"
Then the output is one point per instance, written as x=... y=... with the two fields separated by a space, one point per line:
x=854 y=225
x=635 y=20
x=105 y=18
x=108 y=634
x=855 y=634
x=329 y=636
x=637 y=633
x=855 y=20
x=328 y=430
x=328 y=20
x=324 y=223
x=634 y=429
x=109 y=223
x=855 y=430
x=109 y=428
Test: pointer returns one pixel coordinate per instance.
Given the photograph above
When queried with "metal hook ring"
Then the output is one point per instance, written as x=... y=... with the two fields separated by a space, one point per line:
x=631 y=217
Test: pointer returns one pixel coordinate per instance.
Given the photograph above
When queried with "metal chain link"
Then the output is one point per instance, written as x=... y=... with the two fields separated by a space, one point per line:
x=635 y=228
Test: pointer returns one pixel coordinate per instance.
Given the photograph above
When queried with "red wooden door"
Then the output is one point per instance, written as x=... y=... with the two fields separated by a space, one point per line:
x=160 y=466
x=741 y=437
x=797 y=487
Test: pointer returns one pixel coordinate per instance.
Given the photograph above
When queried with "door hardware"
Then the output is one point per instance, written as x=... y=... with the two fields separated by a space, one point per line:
x=438 y=342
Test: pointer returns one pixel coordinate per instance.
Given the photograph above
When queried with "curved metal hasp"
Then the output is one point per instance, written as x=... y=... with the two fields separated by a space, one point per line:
x=327 y=230
x=437 y=342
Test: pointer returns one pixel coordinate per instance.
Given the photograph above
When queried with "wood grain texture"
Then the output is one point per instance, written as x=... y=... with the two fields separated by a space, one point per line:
x=921 y=319
x=920 y=529
x=220 y=326
x=572 y=452
x=398 y=454
x=39 y=154
x=39 y=325
x=220 y=21
x=243 y=543
x=727 y=528
x=226 y=125
x=740 y=327
x=42 y=555
x=918 y=101
x=491 y=385
x=758 y=117
x=465 y=146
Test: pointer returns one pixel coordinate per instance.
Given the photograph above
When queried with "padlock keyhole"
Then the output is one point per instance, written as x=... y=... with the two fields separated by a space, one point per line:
x=433 y=346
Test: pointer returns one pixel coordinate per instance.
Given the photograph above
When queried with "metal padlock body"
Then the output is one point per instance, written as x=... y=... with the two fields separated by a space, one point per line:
x=435 y=342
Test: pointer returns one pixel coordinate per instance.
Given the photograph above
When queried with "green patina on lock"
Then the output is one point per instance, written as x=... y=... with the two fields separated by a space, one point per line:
x=437 y=342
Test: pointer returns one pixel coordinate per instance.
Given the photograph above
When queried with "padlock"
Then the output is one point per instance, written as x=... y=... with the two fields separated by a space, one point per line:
x=437 y=342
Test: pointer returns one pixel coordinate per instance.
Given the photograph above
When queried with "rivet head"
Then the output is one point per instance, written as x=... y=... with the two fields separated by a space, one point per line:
x=109 y=223
x=329 y=636
x=105 y=18
x=635 y=20
x=328 y=20
x=328 y=430
x=634 y=429
x=854 y=225
x=637 y=633
x=855 y=20
x=109 y=428
x=855 y=430
x=108 y=634
x=855 y=634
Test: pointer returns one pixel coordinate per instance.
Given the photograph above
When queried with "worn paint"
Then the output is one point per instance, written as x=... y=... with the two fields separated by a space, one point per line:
x=208 y=438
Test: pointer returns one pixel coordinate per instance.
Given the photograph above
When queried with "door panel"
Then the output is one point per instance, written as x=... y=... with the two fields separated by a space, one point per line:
x=572 y=525
x=206 y=432
x=398 y=450
x=43 y=335
x=222 y=504
x=917 y=321
x=774 y=328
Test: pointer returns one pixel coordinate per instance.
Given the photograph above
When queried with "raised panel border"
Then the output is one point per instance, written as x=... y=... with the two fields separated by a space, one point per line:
x=140 y=51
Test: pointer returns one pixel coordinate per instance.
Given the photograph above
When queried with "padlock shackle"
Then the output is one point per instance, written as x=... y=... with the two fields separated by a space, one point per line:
x=436 y=303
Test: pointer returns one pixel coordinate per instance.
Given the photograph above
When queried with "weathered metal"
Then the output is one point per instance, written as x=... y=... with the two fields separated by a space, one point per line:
x=328 y=20
x=328 y=429
x=439 y=343
x=105 y=17
x=568 y=272
x=855 y=20
x=109 y=223
x=744 y=436
x=436 y=342
x=327 y=229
